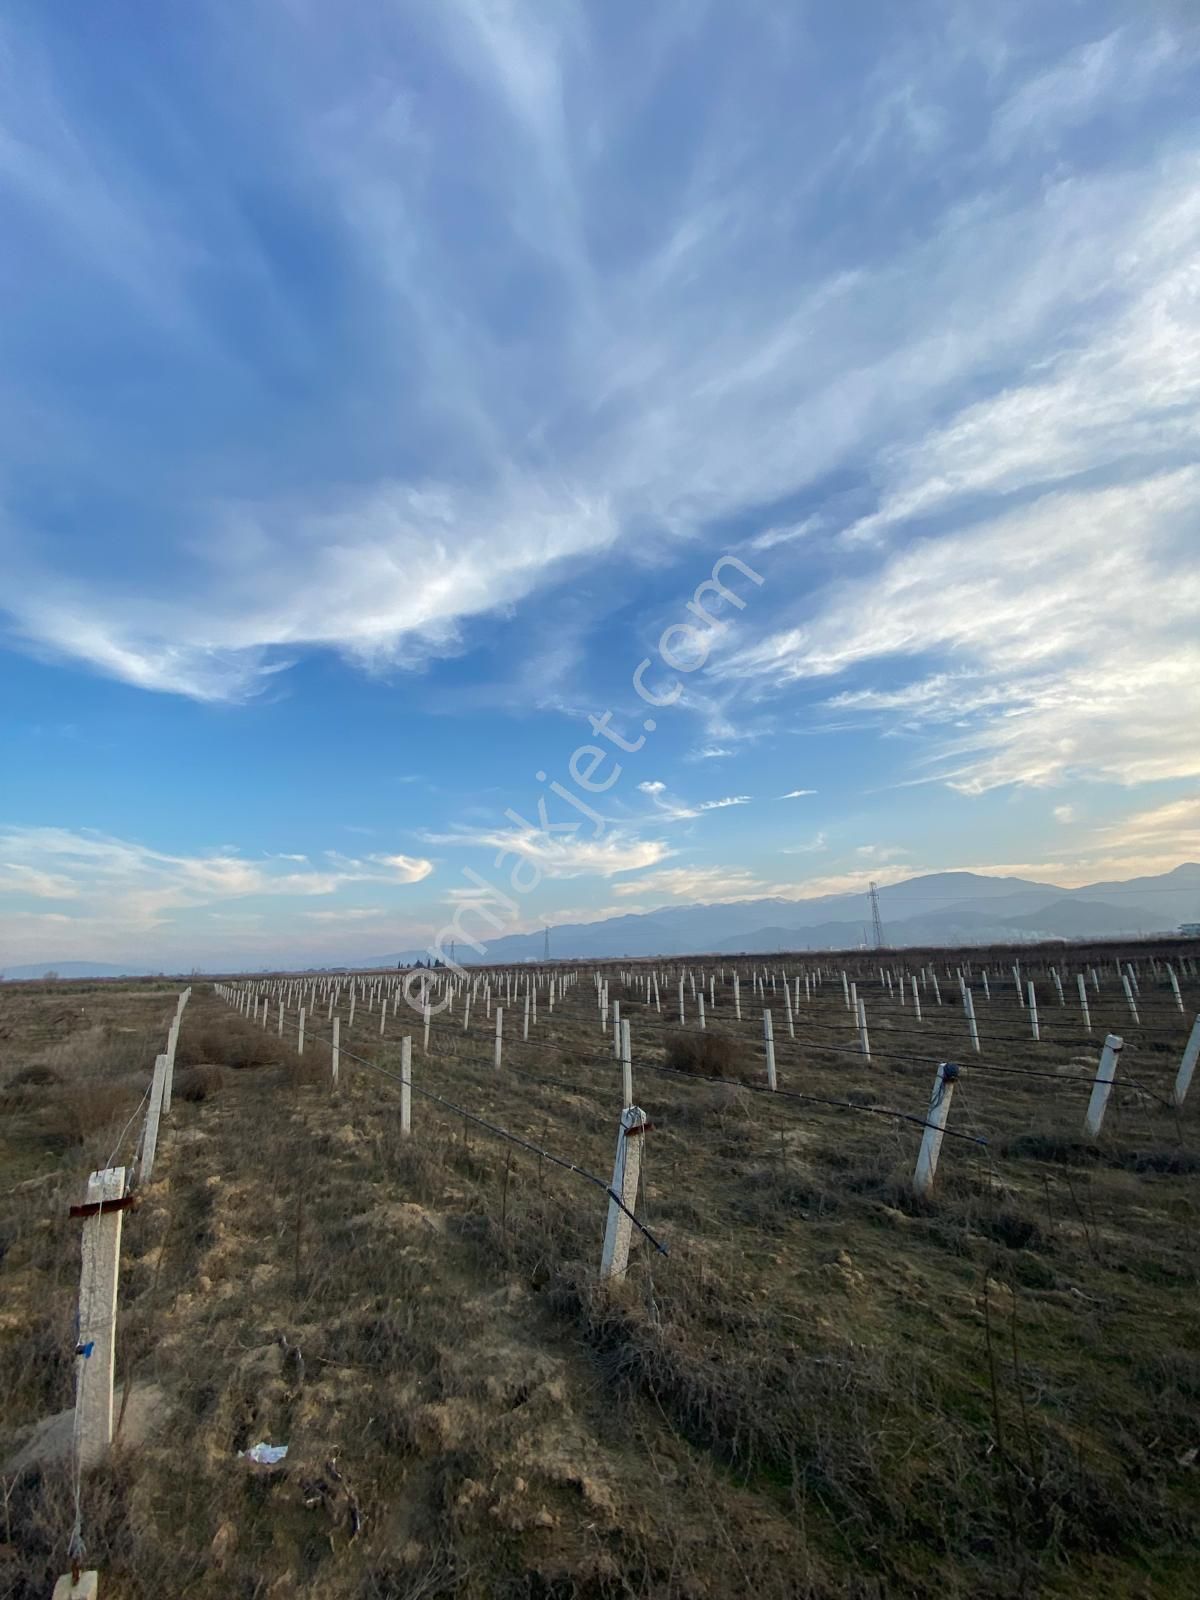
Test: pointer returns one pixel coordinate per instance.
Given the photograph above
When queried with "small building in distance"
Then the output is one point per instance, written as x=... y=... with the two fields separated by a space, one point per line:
x=1190 y=930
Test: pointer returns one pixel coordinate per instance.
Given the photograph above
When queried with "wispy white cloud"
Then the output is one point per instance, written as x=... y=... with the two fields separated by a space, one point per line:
x=120 y=889
x=1071 y=623
x=797 y=794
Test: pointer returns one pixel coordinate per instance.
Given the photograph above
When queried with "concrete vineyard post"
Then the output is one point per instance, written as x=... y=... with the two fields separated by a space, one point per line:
x=617 y=1032
x=169 y=1073
x=864 y=1044
x=931 y=1142
x=96 y=1350
x=1133 y=1010
x=972 y=1025
x=353 y=999
x=737 y=998
x=916 y=994
x=1175 y=987
x=406 y=1084
x=1106 y=1071
x=700 y=1003
x=787 y=1009
x=1187 y=1066
x=383 y=1016
x=846 y=991
x=1033 y=1014
x=987 y=993
x=626 y=1066
x=426 y=1017
x=280 y=1030
x=499 y=1034
x=1083 y=1002
x=627 y=1167
x=153 y=1113
x=1058 y=985
x=300 y=1034
x=336 y=1052
x=769 y=1046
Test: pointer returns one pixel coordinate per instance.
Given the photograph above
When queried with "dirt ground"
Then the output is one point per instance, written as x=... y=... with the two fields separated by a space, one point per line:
x=826 y=1388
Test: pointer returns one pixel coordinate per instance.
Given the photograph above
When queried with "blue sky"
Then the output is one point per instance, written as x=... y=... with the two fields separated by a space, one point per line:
x=380 y=382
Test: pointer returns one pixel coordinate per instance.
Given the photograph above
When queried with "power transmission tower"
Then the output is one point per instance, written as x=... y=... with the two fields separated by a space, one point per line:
x=876 y=919
x=546 y=944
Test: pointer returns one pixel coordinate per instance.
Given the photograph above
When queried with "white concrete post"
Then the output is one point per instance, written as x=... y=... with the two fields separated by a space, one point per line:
x=1057 y=985
x=737 y=998
x=153 y=1112
x=627 y=1167
x=700 y=1003
x=426 y=1017
x=1133 y=1010
x=987 y=993
x=406 y=1084
x=1175 y=987
x=916 y=994
x=769 y=1046
x=682 y=1016
x=1187 y=1066
x=931 y=1142
x=787 y=1008
x=300 y=1034
x=972 y=1025
x=1102 y=1087
x=616 y=1012
x=353 y=1000
x=1083 y=1002
x=383 y=1016
x=467 y=1012
x=845 y=990
x=1033 y=1016
x=499 y=1034
x=86 y=1589
x=336 y=1054
x=937 y=990
x=280 y=1029
x=1133 y=978
x=169 y=1074
x=96 y=1350
x=864 y=1044
x=626 y=1066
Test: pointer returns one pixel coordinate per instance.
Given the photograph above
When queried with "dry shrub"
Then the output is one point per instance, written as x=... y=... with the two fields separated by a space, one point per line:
x=199 y=1083
x=73 y=1113
x=36 y=1076
x=708 y=1055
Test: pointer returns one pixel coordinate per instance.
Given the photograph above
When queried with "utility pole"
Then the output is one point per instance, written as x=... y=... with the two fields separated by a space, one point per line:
x=877 y=920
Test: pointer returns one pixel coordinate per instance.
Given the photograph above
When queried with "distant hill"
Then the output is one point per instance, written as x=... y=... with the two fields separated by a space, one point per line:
x=936 y=908
x=70 y=969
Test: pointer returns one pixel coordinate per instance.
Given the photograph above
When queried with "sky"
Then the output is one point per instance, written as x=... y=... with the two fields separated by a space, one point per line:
x=381 y=384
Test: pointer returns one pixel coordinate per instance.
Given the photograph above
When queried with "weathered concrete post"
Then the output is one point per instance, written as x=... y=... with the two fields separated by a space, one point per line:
x=1187 y=1066
x=769 y=1046
x=406 y=1084
x=626 y=1066
x=336 y=1054
x=627 y=1167
x=153 y=1113
x=1106 y=1071
x=499 y=1033
x=931 y=1142
x=96 y=1350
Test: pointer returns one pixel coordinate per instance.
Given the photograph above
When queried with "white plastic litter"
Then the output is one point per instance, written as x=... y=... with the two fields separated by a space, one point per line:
x=266 y=1455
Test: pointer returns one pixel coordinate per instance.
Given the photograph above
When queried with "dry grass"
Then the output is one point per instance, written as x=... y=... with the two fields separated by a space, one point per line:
x=826 y=1390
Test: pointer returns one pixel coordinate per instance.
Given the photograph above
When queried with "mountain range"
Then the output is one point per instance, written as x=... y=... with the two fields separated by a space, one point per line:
x=939 y=908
